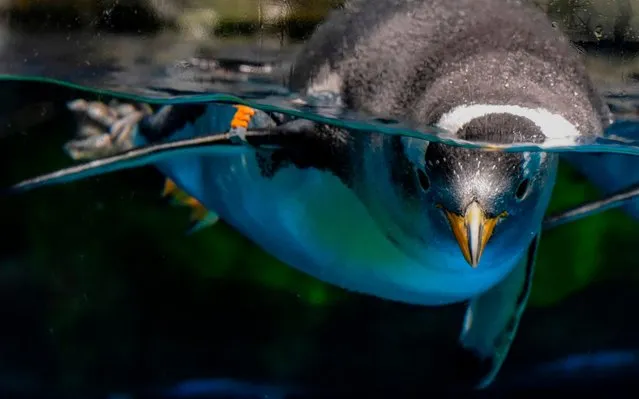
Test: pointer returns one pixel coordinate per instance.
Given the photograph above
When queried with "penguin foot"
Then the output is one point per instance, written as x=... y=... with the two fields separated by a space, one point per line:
x=200 y=216
x=104 y=130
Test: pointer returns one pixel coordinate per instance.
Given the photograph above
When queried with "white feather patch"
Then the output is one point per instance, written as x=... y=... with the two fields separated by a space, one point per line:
x=557 y=129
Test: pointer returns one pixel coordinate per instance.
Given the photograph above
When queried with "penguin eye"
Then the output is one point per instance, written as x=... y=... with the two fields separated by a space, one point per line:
x=424 y=181
x=522 y=189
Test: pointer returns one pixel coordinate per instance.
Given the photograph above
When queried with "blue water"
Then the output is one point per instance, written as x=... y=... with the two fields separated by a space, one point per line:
x=615 y=153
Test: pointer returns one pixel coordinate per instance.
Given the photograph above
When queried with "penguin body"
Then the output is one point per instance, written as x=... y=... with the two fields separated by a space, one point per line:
x=349 y=209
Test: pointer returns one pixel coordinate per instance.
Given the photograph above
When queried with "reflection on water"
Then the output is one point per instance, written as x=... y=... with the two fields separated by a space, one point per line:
x=119 y=61
x=102 y=292
x=253 y=69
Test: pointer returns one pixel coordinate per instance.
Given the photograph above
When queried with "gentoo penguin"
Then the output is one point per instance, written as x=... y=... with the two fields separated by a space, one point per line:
x=394 y=217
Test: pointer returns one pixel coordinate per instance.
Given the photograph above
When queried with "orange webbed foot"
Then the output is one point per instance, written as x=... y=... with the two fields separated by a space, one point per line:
x=200 y=216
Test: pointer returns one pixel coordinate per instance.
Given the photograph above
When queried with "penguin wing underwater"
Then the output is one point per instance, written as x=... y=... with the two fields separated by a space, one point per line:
x=395 y=217
x=609 y=172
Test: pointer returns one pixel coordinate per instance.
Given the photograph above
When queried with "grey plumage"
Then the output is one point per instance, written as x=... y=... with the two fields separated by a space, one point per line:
x=415 y=59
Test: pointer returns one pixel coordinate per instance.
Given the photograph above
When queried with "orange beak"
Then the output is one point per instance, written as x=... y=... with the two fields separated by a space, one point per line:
x=472 y=231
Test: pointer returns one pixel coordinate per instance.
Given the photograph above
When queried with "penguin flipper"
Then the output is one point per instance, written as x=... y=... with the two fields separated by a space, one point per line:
x=611 y=173
x=628 y=196
x=300 y=142
x=491 y=319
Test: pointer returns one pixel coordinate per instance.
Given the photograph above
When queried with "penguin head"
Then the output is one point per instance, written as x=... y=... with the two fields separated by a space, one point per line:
x=488 y=205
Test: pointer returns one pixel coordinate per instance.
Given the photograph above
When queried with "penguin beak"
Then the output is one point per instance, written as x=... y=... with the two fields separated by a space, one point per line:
x=472 y=231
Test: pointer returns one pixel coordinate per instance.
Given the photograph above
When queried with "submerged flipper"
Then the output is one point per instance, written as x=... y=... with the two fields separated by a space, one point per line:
x=614 y=200
x=299 y=142
x=492 y=318
x=614 y=173
x=609 y=173
x=137 y=157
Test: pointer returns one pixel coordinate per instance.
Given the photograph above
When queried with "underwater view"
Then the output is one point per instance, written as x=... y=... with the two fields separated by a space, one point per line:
x=318 y=198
